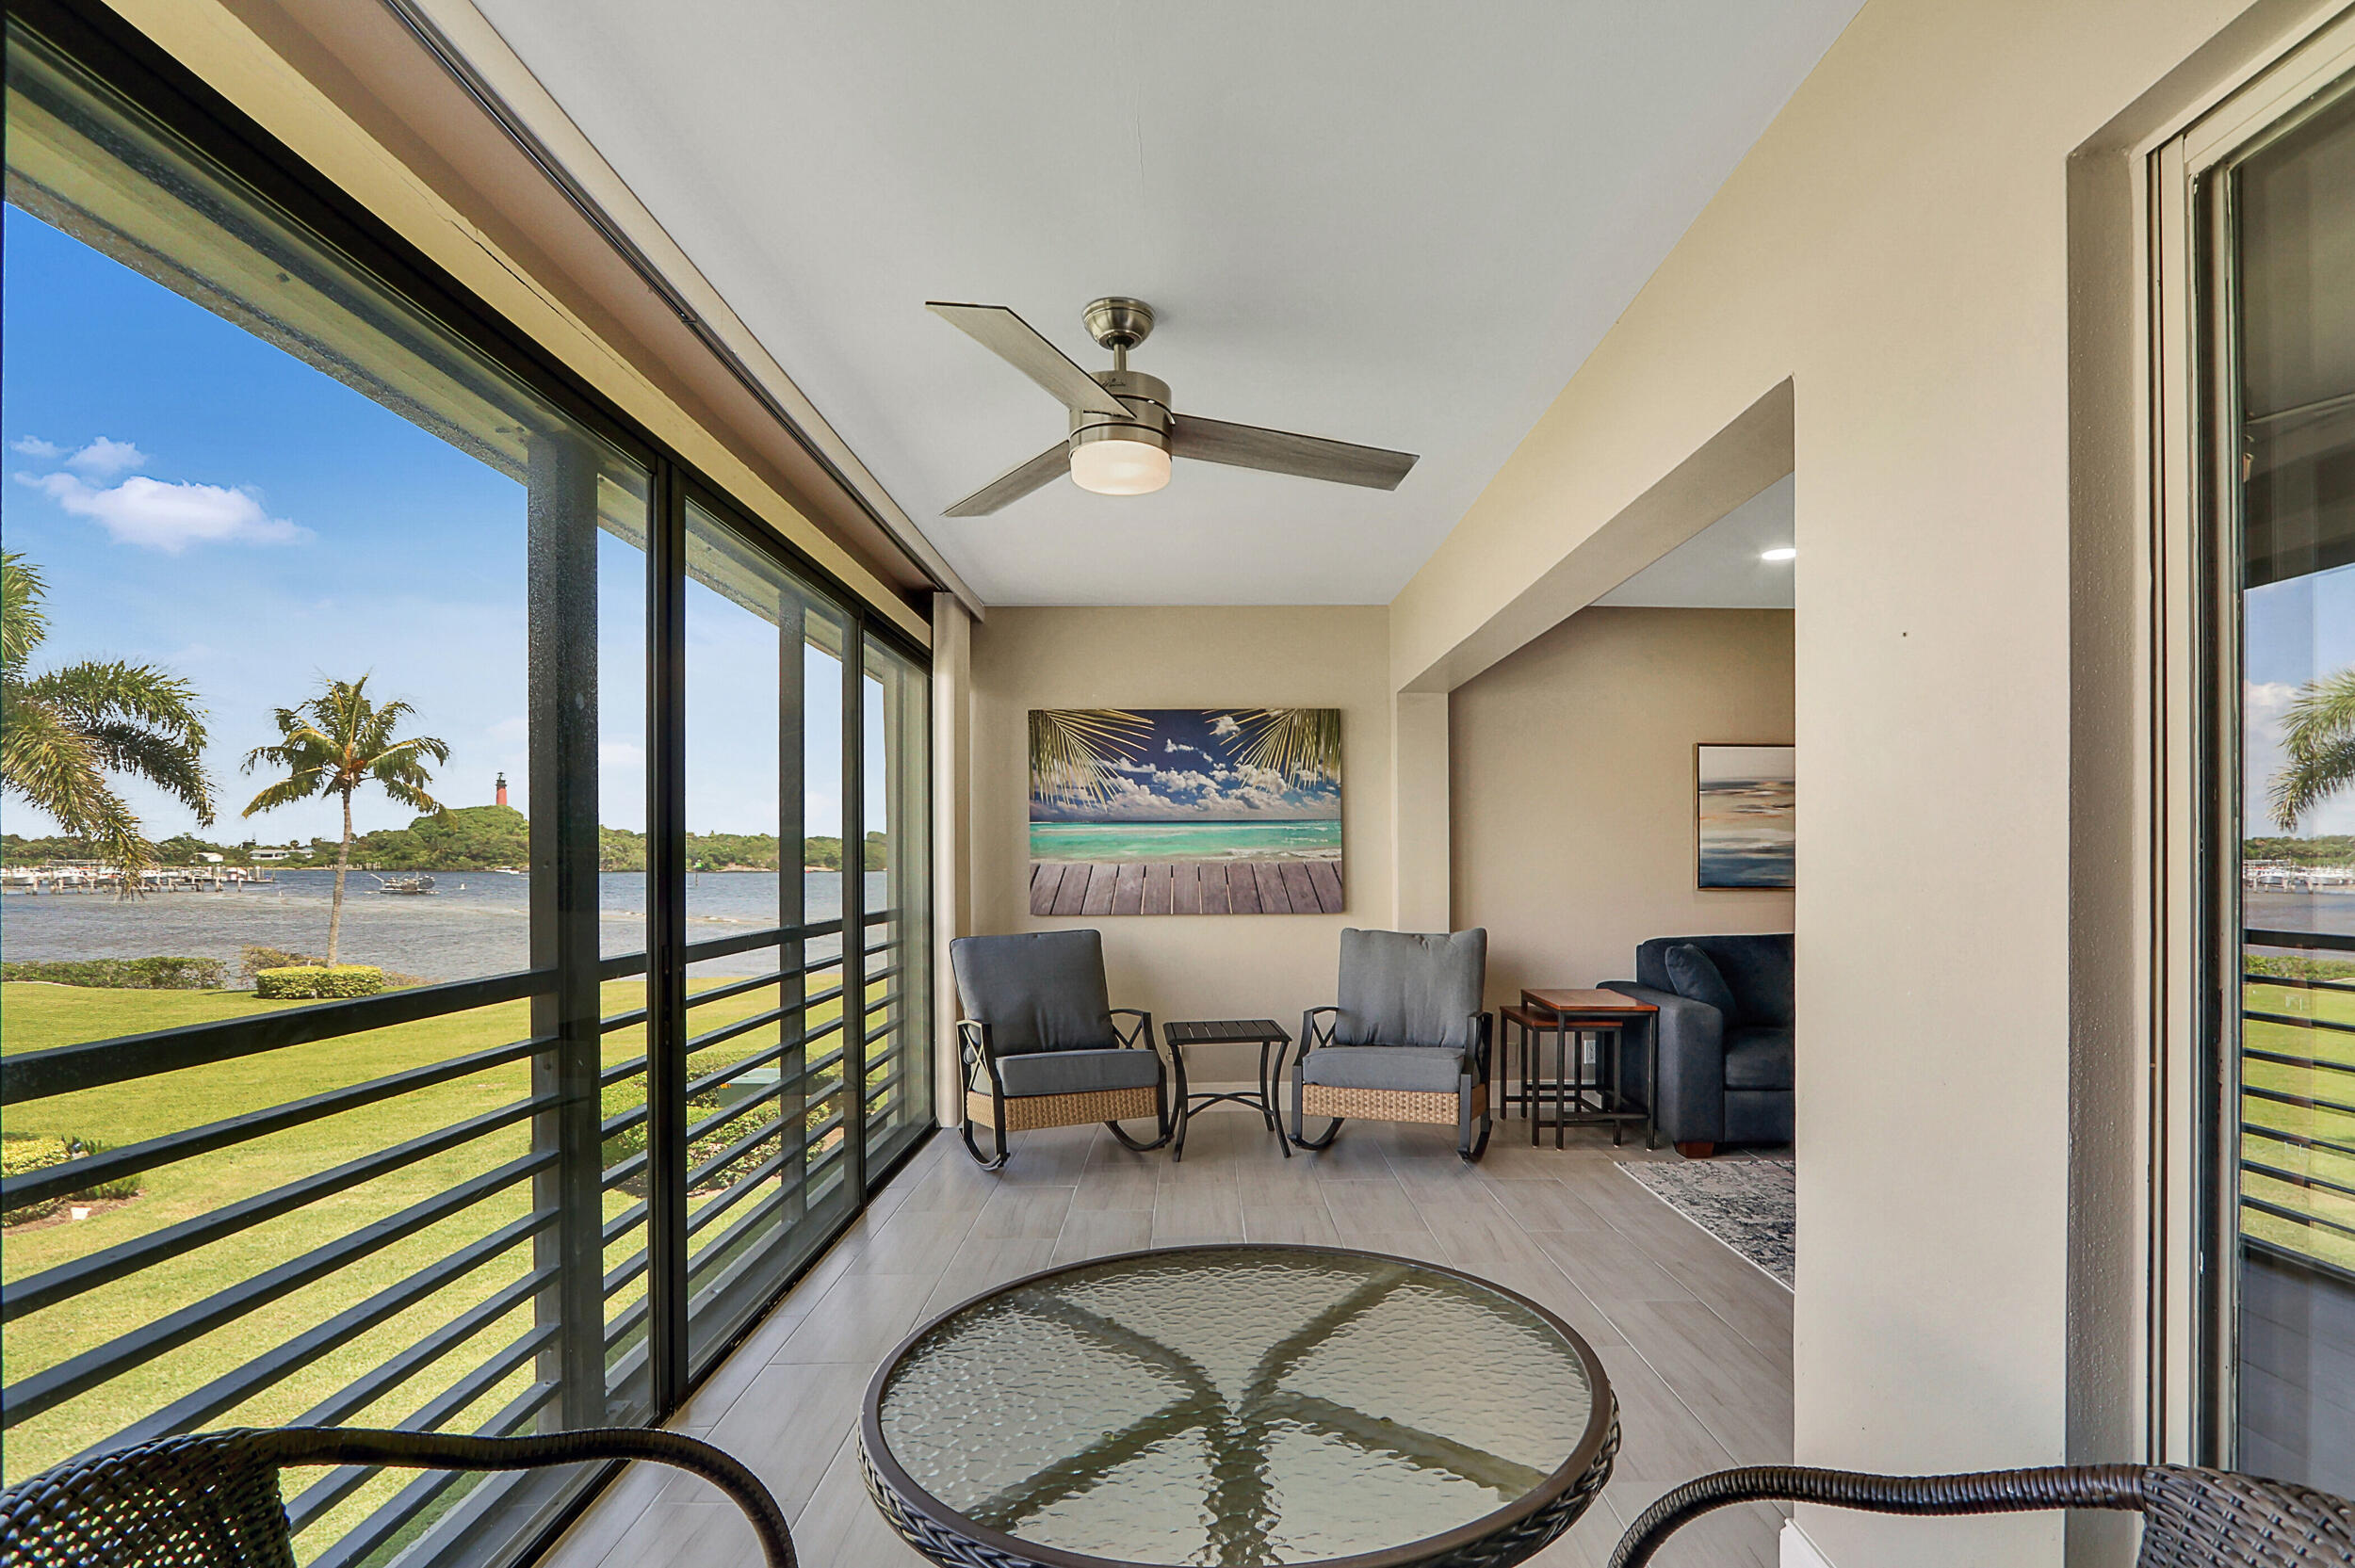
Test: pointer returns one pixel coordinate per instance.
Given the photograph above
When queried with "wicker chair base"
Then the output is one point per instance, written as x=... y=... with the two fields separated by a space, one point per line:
x=1029 y=1112
x=1439 y=1108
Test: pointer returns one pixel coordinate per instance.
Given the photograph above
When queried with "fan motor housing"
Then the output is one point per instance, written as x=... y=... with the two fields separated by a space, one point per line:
x=1147 y=397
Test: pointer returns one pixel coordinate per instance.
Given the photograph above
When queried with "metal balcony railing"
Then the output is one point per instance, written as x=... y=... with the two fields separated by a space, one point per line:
x=2297 y=1105
x=767 y=1132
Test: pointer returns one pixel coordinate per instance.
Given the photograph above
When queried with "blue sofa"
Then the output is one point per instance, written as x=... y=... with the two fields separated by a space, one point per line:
x=1724 y=1079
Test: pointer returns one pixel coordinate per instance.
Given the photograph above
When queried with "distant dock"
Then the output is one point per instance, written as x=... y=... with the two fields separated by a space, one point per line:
x=1187 y=887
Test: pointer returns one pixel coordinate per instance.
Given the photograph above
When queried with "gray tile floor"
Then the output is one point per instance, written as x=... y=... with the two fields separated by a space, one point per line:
x=1697 y=1341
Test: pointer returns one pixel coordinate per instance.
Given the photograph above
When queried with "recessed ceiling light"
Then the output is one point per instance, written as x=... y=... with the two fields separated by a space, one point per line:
x=1780 y=552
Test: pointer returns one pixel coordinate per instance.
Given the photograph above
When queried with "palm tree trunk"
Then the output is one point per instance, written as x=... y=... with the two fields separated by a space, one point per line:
x=343 y=860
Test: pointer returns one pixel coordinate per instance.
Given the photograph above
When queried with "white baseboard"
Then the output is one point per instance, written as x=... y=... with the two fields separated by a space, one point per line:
x=1797 y=1550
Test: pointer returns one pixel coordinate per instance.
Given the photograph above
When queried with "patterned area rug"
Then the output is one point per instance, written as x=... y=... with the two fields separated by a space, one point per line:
x=1748 y=1203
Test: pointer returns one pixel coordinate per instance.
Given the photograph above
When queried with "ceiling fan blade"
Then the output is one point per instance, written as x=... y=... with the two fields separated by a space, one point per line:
x=1015 y=483
x=1281 y=452
x=1016 y=341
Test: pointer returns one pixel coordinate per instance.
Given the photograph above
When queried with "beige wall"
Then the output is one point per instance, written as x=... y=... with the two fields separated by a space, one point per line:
x=1187 y=965
x=1572 y=766
x=1896 y=249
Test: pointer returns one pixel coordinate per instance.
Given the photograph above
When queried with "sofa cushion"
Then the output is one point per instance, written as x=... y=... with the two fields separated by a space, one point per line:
x=1697 y=980
x=1757 y=969
x=1078 y=1072
x=1399 y=988
x=1420 y=1067
x=1042 y=991
x=1759 y=1057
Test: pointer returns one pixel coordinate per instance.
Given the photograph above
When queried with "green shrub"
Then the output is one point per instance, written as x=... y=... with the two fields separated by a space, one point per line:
x=2296 y=967
x=146 y=973
x=257 y=958
x=22 y=1157
x=310 y=982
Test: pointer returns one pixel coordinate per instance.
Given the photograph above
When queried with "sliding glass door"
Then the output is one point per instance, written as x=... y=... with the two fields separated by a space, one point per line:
x=2279 y=219
x=465 y=875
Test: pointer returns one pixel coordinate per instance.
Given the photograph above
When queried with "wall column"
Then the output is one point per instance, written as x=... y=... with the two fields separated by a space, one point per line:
x=1420 y=862
x=952 y=858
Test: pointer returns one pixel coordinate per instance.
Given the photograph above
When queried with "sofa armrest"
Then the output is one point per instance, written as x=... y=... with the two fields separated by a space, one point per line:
x=1689 y=1102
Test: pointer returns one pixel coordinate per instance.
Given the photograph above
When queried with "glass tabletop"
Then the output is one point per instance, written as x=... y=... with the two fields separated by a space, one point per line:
x=1234 y=1406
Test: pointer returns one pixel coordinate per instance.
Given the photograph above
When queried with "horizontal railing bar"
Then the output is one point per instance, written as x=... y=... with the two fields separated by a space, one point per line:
x=876 y=1004
x=746 y=942
x=730 y=1030
x=132 y=1158
x=886 y=972
x=2296 y=982
x=2280 y=1059
x=887 y=1027
x=818 y=999
x=621 y=1224
x=2276 y=1097
x=2299 y=1021
x=2331 y=940
x=619 y=1070
x=699 y=1286
x=2303 y=1140
x=2298 y=1178
x=738 y=988
x=634 y=1018
x=2295 y=1216
x=734 y=1152
x=738 y=1068
x=736 y=1191
x=44 y=1390
x=382 y=1524
x=617 y=1174
x=65 y=1280
x=363 y=1392
x=234 y=1387
x=64 y=1069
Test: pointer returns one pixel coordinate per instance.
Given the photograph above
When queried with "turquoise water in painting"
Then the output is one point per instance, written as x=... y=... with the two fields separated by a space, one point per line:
x=1174 y=841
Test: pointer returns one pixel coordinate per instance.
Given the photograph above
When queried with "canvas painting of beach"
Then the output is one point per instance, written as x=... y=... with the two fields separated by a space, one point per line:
x=1748 y=815
x=1186 y=811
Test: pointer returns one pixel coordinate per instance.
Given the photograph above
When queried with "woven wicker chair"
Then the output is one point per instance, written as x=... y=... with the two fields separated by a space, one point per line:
x=1407 y=1043
x=1039 y=1045
x=2190 y=1518
x=211 y=1500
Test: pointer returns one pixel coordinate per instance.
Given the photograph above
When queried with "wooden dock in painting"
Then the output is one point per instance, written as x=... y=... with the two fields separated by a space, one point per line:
x=1206 y=887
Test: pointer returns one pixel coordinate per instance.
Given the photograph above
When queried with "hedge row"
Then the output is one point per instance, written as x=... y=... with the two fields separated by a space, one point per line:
x=309 y=984
x=21 y=1156
x=146 y=973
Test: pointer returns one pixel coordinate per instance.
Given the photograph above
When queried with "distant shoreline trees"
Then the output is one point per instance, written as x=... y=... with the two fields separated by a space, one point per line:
x=469 y=838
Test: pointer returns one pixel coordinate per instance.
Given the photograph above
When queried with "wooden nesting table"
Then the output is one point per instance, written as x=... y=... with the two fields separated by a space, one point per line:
x=1570 y=1015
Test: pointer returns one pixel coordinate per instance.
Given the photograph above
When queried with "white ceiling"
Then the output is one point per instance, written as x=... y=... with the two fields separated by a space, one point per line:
x=1400 y=224
x=1719 y=567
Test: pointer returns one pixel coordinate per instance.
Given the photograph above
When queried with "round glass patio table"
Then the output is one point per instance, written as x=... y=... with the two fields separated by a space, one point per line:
x=1231 y=1406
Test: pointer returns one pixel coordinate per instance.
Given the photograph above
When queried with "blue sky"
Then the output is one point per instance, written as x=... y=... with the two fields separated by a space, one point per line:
x=201 y=500
x=2292 y=632
x=1186 y=771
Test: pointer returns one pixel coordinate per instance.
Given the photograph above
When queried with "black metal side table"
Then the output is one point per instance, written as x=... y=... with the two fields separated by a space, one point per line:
x=1267 y=1034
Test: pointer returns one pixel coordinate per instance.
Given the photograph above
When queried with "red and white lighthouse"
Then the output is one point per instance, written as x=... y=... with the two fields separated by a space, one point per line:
x=502 y=788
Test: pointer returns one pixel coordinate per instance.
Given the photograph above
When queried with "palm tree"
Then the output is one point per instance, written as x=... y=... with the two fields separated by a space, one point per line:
x=1073 y=750
x=62 y=733
x=2319 y=737
x=331 y=745
x=1297 y=744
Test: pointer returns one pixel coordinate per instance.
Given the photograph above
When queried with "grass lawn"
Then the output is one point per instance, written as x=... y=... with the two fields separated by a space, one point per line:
x=35 y=1016
x=2334 y=1080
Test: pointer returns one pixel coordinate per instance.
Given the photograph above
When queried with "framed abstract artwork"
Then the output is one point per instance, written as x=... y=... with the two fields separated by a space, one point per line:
x=1747 y=816
x=1186 y=811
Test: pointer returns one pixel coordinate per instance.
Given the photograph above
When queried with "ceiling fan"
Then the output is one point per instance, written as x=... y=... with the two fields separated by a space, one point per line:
x=1123 y=432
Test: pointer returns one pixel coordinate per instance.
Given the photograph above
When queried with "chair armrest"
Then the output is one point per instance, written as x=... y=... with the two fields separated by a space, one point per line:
x=1484 y=1033
x=974 y=1045
x=1313 y=1033
x=1689 y=1101
x=2120 y=1487
x=433 y=1450
x=1140 y=1033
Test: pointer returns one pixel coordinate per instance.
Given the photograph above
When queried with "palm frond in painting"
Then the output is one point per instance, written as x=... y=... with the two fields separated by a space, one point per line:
x=1074 y=750
x=1297 y=744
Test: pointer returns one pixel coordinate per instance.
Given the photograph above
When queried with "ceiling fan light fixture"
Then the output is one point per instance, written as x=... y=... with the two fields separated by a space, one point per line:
x=1114 y=462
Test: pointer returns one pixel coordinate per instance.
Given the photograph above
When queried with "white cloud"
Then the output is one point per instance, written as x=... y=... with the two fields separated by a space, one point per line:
x=33 y=447
x=1225 y=727
x=106 y=458
x=167 y=516
x=1172 y=748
